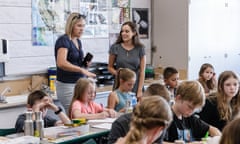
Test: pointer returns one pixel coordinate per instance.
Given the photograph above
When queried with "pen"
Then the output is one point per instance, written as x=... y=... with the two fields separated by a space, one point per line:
x=206 y=135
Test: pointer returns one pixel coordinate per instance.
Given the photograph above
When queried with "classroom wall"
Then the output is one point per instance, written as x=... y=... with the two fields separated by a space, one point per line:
x=25 y=59
x=214 y=35
x=188 y=33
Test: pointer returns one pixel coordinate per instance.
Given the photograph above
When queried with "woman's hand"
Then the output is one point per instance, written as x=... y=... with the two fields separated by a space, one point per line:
x=139 y=95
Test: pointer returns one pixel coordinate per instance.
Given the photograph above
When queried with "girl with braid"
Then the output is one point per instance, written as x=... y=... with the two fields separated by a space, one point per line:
x=149 y=120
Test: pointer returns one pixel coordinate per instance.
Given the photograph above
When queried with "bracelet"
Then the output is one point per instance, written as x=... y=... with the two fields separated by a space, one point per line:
x=58 y=111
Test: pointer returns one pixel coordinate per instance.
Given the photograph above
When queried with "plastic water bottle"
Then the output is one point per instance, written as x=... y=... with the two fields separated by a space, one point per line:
x=128 y=105
x=130 y=102
x=134 y=99
x=39 y=125
x=28 y=124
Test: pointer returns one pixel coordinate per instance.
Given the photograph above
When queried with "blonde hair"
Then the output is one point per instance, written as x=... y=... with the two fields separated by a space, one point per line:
x=225 y=110
x=231 y=132
x=191 y=91
x=72 y=19
x=79 y=89
x=153 y=111
x=158 y=89
x=124 y=74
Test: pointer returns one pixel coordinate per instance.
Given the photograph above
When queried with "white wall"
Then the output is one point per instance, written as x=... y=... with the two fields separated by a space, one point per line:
x=214 y=35
x=188 y=33
x=16 y=24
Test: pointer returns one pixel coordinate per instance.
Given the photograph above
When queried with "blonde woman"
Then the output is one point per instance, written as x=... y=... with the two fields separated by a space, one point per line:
x=69 y=58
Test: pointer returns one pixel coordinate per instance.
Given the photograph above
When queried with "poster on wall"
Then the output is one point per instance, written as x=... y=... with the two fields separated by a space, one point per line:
x=96 y=13
x=140 y=17
x=48 y=20
x=118 y=17
x=121 y=3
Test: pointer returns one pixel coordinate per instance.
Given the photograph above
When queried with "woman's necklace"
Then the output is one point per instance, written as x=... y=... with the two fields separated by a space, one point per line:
x=127 y=47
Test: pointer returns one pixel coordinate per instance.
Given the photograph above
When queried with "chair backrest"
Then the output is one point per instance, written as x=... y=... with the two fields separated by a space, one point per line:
x=4 y=132
x=90 y=141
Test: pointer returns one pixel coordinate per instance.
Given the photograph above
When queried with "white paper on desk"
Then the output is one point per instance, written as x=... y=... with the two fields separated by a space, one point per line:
x=106 y=120
x=107 y=126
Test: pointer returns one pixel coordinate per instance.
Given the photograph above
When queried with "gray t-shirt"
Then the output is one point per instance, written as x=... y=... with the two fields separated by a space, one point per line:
x=128 y=59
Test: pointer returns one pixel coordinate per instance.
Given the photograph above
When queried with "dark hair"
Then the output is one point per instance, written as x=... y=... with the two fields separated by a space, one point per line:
x=209 y=84
x=135 y=38
x=34 y=96
x=158 y=89
x=168 y=72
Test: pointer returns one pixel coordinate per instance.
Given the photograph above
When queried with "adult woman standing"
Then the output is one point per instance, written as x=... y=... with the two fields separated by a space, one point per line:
x=69 y=58
x=128 y=52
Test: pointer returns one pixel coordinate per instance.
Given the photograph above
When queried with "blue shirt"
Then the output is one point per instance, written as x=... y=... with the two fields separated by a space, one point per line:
x=123 y=97
x=74 y=56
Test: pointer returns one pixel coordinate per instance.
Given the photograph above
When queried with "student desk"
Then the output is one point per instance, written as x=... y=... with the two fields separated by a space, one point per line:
x=71 y=139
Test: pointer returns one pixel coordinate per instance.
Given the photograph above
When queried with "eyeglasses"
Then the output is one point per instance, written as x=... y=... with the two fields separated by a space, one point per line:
x=79 y=17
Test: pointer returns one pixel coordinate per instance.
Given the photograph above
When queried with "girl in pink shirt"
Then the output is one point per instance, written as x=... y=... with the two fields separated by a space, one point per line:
x=83 y=105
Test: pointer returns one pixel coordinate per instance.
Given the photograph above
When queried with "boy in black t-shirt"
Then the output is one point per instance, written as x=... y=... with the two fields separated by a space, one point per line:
x=39 y=101
x=185 y=126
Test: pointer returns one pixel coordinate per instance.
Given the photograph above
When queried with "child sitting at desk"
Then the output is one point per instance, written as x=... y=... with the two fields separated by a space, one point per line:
x=171 y=76
x=185 y=126
x=207 y=78
x=125 y=81
x=121 y=125
x=83 y=106
x=149 y=119
x=39 y=101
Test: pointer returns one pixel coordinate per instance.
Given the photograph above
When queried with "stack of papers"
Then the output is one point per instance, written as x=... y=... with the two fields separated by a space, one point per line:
x=107 y=126
x=102 y=123
x=106 y=120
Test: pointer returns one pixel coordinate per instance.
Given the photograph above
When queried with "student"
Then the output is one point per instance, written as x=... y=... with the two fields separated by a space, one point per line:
x=69 y=57
x=39 y=101
x=207 y=78
x=171 y=77
x=231 y=132
x=125 y=81
x=157 y=89
x=120 y=126
x=83 y=106
x=128 y=52
x=149 y=119
x=185 y=126
x=221 y=107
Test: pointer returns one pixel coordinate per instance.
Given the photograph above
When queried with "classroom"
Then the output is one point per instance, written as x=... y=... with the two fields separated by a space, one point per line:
x=117 y=50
